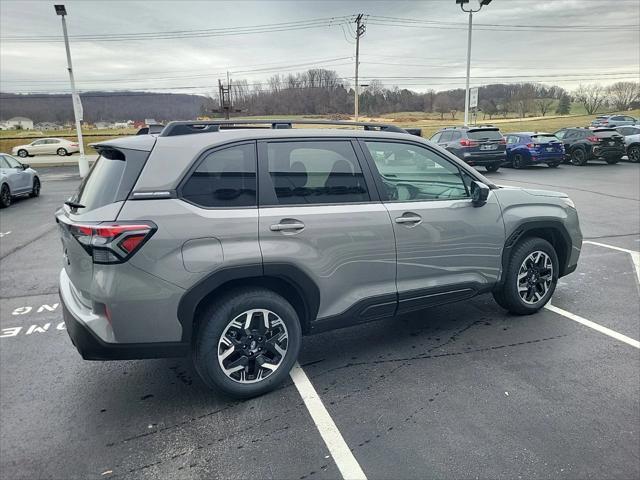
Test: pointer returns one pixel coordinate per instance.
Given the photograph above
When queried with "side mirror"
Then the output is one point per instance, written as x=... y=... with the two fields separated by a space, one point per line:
x=25 y=166
x=479 y=193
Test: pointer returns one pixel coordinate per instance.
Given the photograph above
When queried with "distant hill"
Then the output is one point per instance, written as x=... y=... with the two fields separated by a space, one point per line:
x=103 y=106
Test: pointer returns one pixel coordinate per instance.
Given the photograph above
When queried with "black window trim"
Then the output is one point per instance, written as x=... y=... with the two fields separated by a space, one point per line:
x=201 y=158
x=266 y=190
x=455 y=162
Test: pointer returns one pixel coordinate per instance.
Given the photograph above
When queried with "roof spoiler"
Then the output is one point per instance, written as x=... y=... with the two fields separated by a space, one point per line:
x=190 y=127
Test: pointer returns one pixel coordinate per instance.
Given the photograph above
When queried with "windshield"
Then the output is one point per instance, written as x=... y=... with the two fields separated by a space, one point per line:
x=485 y=134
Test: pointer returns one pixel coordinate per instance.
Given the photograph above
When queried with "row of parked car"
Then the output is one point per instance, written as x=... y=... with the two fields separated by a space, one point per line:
x=486 y=146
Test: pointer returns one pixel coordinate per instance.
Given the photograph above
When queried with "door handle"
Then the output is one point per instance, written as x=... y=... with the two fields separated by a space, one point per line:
x=278 y=227
x=409 y=218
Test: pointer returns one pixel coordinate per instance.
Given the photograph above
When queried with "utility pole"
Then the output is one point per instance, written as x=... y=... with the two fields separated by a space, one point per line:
x=360 y=29
x=83 y=164
x=471 y=11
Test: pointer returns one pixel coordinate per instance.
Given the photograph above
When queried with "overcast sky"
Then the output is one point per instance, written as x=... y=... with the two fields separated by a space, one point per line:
x=602 y=53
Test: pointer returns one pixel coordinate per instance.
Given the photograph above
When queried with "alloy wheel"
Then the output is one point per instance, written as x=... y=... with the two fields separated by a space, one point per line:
x=634 y=154
x=252 y=346
x=5 y=196
x=36 y=188
x=534 y=277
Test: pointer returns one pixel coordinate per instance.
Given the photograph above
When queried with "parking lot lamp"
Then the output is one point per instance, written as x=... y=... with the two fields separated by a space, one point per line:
x=470 y=11
x=83 y=164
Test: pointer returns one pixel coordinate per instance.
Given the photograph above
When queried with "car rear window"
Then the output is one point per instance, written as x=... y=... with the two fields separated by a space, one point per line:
x=606 y=133
x=485 y=134
x=544 y=138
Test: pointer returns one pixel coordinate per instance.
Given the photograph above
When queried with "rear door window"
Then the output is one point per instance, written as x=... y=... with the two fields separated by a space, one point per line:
x=446 y=136
x=484 y=134
x=224 y=178
x=315 y=172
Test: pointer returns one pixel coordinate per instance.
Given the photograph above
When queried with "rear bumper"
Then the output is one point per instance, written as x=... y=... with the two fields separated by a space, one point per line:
x=484 y=158
x=605 y=152
x=91 y=347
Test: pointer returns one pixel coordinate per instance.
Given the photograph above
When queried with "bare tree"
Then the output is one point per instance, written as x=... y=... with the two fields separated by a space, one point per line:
x=623 y=94
x=442 y=104
x=523 y=99
x=591 y=97
x=544 y=105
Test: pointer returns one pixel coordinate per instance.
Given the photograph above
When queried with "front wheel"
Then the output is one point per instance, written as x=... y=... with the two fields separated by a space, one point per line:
x=5 y=196
x=22 y=153
x=62 y=152
x=247 y=342
x=578 y=157
x=35 y=189
x=518 y=161
x=634 y=153
x=493 y=167
x=530 y=277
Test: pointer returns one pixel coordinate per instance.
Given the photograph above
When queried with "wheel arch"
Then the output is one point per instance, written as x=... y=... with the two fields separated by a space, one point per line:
x=286 y=280
x=553 y=232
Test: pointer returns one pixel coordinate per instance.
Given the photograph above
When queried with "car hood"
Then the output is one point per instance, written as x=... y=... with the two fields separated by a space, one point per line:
x=537 y=193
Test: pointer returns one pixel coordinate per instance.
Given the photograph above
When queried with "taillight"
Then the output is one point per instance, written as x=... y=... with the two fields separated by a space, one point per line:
x=502 y=141
x=465 y=142
x=593 y=138
x=112 y=243
x=531 y=145
x=74 y=144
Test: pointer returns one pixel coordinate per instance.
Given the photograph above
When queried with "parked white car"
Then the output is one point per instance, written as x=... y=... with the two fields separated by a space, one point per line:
x=16 y=179
x=46 y=146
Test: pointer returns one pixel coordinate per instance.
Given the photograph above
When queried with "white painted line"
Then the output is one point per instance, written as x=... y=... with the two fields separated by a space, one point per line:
x=3 y=234
x=635 y=256
x=346 y=462
x=593 y=325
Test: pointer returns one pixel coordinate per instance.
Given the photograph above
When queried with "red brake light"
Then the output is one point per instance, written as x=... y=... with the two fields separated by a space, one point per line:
x=503 y=141
x=465 y=142
x=112 y=243
x=129 y=244
x=593 y=138
x=531 y=145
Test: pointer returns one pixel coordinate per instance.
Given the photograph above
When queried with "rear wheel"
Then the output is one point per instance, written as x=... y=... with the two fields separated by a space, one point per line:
x=35 y=190
x=530 y=278
x=578 y=157
x=492 y=167
x=634 y=153
x=5 y=196
x=247 y=343
x=22 y=153
x=62 y=152
x=518 y=161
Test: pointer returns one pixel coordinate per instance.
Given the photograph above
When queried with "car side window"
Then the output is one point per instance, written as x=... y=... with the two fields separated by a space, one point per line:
x=224 y=178
x=13 y=163
x=315 y=172
x=38 y=142
x=3 y=162
x=446 y=136
x=560 y=134
x=411 y=173
x=511 y=139
x=436 y=137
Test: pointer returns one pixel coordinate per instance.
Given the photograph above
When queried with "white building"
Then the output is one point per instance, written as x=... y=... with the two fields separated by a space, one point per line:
x=22 y=123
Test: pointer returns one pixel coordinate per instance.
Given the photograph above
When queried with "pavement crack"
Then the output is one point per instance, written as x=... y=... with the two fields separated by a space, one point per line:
x=26 y=244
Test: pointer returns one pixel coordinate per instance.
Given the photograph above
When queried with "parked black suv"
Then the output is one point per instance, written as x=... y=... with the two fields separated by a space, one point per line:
x=584 y=144
x=481 y=145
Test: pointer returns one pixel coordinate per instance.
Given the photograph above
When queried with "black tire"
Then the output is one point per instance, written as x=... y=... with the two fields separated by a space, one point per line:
x=518 y=161
x=634 y=153
x=493 y=167
x=612 y=160
x=553 y=164
x=22 y=153
x=35 y=189
x=216 y=318
x=5 y=196
x=508 y=296
x=578 y=157
x=62 y=152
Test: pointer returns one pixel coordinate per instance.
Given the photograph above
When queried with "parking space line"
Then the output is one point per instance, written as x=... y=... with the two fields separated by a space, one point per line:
x=593 y=325
x=635 y=256
x=345 y=461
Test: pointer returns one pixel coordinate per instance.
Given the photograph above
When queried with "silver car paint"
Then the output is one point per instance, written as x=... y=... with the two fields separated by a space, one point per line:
x=348 y=250
x=19 y=180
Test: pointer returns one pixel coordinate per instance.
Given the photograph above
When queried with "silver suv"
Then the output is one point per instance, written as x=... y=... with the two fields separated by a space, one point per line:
x=229 y=243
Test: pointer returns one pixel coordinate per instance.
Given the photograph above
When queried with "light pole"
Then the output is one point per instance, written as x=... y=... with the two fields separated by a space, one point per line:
x=83 y=164
x=470 y=11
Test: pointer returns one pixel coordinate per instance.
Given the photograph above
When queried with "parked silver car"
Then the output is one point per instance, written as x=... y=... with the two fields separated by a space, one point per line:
x=16 y=179
x=613 y=121
x=631 y=134
x=46 y=146
x=230 y=244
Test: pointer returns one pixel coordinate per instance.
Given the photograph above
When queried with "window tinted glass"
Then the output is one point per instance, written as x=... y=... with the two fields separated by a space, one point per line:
x=484 y=134
x=316 y=172
x=3 y=162
x=561 y=134
x=100 y=187
x=456 y=136
x=39 y=142
x=225 y=178
x=544 y=138
x=436 y=137
x=606 y=133
x=446 y=136
x=414 y=173
x=511 y=139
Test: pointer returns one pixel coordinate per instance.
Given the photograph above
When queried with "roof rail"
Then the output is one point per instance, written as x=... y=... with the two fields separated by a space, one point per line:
x=190 y=127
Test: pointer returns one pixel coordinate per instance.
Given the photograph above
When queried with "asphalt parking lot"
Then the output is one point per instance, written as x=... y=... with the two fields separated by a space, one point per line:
x=459 y=391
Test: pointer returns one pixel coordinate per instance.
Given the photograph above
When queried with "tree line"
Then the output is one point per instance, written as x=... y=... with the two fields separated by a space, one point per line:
x=322 y=92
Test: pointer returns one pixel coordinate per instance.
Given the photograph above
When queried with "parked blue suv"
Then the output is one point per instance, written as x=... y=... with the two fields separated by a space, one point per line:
x=530 y=148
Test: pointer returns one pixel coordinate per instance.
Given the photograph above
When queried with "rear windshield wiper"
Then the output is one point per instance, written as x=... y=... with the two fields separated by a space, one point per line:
x=74 y=204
